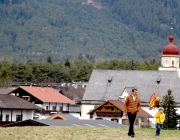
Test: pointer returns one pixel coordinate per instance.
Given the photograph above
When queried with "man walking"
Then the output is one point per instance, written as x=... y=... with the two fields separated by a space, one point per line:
x=131 y=107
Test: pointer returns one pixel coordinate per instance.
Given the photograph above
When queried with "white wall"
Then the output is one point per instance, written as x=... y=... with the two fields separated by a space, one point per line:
x=120 y=118
x=27 y=114
x=84 y=110
x=153 y=112
x=178 y=110
x=50 y=106
x=108 y=118
x=166 y=61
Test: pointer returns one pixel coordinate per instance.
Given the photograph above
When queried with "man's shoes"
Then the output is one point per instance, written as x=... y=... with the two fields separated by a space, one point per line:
x=131 y=135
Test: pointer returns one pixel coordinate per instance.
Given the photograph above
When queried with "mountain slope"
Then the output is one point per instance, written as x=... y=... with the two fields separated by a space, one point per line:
x=86 y=29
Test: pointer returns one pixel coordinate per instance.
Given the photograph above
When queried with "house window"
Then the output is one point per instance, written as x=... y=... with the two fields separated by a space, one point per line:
x=173 y=63
x=7 y=117
x=54 y=108
x=1 y=118
x=18 y=118
x=108 y=109
x=47 y=107
x=60 y=108
x=25 y=98
x=91 y=116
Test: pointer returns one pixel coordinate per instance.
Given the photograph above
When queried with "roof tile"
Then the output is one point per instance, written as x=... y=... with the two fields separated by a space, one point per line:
x=99 y=89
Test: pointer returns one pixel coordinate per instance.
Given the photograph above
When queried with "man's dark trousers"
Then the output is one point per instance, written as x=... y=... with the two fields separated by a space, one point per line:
x=131 y=118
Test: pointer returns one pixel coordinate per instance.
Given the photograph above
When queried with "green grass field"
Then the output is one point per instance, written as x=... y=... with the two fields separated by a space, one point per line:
x=83 y=133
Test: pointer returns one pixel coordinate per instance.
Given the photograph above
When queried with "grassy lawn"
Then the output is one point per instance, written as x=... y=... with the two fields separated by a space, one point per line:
x=83 y=133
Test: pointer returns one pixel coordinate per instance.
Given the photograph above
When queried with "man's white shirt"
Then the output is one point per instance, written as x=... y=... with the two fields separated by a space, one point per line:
x=134 y=97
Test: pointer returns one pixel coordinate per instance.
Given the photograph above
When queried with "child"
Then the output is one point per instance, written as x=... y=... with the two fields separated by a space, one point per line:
x=160 y=117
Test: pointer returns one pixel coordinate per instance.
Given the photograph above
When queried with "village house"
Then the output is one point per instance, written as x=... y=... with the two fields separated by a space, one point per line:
x=14 y=109
x=112 y=110
x=47 y=98
x=117 y=84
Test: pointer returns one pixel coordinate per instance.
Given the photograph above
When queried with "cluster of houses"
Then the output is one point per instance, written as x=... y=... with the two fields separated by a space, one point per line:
x=28 y=102
x=102 y=100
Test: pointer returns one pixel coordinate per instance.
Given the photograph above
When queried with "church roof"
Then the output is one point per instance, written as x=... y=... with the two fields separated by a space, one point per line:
x=171 y=49
x=101 y=88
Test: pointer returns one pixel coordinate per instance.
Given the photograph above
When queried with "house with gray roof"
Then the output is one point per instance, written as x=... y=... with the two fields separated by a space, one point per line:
x=14 y=109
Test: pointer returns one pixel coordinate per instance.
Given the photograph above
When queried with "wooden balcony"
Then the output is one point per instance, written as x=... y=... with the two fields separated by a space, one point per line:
x=45 y=111
x=65 y=111
x=49 y=111
x=109 y=114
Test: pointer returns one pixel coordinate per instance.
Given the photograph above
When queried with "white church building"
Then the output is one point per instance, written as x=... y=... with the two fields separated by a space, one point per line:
x=117 y=84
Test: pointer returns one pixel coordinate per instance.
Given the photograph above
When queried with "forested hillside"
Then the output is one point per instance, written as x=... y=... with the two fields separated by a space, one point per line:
x=64 y=71
x=86 y=29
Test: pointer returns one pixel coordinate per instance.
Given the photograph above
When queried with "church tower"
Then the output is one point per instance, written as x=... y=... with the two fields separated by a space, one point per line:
x=170 y=57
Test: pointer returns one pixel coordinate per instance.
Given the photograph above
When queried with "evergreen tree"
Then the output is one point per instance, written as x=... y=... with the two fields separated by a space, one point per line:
x=133 y=66
x=4 y=77
x=81 y=75
x=169 y=106
x=49 y=60
x=67 y=64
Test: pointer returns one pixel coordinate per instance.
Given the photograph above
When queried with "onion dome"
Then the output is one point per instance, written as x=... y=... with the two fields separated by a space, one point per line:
x=171 y=49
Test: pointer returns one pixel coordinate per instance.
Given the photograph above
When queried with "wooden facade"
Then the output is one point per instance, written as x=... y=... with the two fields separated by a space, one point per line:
x=112 y=110
x=107 y=110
